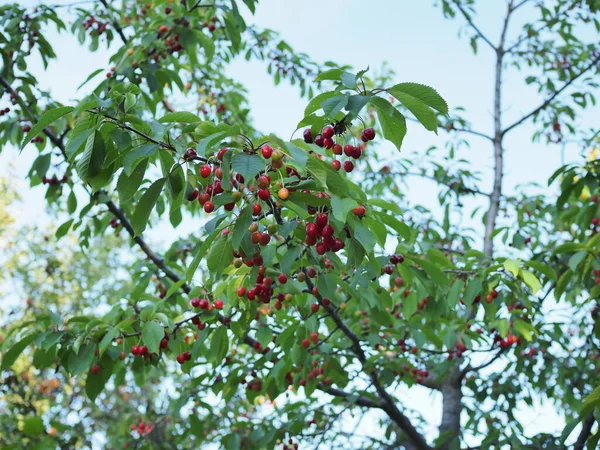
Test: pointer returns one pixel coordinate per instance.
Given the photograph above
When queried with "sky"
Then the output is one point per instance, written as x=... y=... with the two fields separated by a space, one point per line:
x=415 y=40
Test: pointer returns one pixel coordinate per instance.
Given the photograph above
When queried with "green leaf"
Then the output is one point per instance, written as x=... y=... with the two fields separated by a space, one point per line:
x=569 y=247
x=90 y=76
x=473 y=289
x=9 y=357
x=240 y=228
x=33 y=426
x=95 y=382
x=146 y=205
x=392 y=122
x=363 y=235
x=220 y=256
x=341 y=207
x=264 y=335
x=576 y=259
x=81 y=361
x=562 y=284
x=348 y=80
x=136 y=156
x=513 y=266
x=199 y=254
x=331 y=75
x=454 y=293
x=180 y=117
x=219 y=344
x=543 y=269
x=420 y=110
x=590 y=403
x=128 y=185
x=334 y=105
x=530 y=280
x=63 y=229
x=152 y=334
x=107 y=340
x=248 y=165
x=92 y=158
x=49 y=117
x=424 y=93
x=316 y=103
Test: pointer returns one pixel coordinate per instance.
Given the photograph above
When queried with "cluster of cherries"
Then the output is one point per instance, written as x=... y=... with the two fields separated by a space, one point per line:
x=171 y=42
x=511 y=339
x=141 y=427
x=210 y=25
x=326 y=140
x=54 y=180
x=114 y=222
x=100 y=26
x=291 y=445
x=320 y=234
x=5 y=110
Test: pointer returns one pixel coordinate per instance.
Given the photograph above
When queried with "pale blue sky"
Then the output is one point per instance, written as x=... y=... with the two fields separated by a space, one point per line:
x=417 y=42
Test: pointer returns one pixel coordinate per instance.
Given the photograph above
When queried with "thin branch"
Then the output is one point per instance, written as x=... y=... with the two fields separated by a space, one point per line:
x=115 y=24
x=387 y=402
x=552 y=97
x=472 y=24
x=482 y=366
x=586 y=431
x=32 y=116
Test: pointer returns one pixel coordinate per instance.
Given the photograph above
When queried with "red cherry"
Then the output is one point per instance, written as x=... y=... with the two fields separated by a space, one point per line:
x=163 y=28
x=311 y=229
x=328 y=143
x=264 y=194
x=218 y=304
x=368 y=134
x=314 y=307
x=282 y=278
x=195 y=302
x=321 y=220
x=321 y=249
x=307 y=134
x=319 y=139
x=203 y=198
x=221 y=154
x=203 y=304
x=348 y=150
x=314 y=336
x=256 y=209
x=337 y=149
x=135 y=350
x=209 y=207
x=305 y=343
x=194 y=195
x=266 y=151
x=241 y=291
x=348 y=166
x=205 y=171
x=327 y=231
x=359 y=211
x=336 y=164
x=181 y=358
x=95 y=369
x=263 y=182
x=327 y=132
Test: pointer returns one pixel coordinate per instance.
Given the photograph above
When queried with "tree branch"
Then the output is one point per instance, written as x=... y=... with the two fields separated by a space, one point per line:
x=359 y=400
x=552 y=97
x=115 y=24
x=492 y=213
x=472 y=24
x=585 y=433
x=387 y=402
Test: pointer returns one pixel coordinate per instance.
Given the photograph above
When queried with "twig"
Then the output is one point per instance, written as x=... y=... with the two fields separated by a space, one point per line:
x=472 y=24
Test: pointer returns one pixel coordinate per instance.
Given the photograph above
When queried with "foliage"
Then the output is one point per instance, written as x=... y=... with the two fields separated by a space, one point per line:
x=314 y=289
